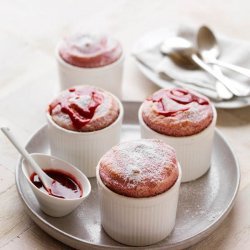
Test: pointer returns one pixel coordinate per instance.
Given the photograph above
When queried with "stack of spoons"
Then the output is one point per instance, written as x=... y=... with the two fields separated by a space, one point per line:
x=192 y=57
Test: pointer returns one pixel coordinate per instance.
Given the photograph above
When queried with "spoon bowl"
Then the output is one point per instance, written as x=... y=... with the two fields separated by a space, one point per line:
x=207 y=44
x=52 y=205
x=209 y=49
x=180 y=51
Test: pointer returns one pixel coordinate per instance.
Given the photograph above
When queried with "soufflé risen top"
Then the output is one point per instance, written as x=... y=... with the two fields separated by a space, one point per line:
x=138 y=169
x=90 y=50
x=84 y=109
x=177 y=112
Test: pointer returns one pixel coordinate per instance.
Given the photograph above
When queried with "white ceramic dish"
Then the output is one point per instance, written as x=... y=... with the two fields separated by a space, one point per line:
x=108 y=77
x=138 y=221
x=194 y=152
x=203 y=204
x=51 y=205
x=84 y=149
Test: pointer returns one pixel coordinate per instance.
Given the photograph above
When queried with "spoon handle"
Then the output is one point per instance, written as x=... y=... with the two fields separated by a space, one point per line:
x=45 y=179
x=234 y=86
x=222 y=91
x=235 y=68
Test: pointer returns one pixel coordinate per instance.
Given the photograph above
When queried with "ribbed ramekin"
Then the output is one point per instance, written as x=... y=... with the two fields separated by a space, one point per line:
x=193 y=152
x=138 y=221
x=84 y=149
x=108 y=77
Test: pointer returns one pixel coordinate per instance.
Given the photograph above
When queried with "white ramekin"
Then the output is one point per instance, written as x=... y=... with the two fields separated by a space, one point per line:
x=138 y=221
x=193 y=152
x=84 y=149
x=108 y=77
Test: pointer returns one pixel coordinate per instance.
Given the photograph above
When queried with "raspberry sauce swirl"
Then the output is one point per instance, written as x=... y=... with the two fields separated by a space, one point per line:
x=177 y=112
x=180 y=96
x=84 y=108
x=79 y=105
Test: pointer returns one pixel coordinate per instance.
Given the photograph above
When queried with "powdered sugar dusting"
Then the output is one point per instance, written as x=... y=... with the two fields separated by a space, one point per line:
x=90 y=50
x=139 y=167
x=140 y=161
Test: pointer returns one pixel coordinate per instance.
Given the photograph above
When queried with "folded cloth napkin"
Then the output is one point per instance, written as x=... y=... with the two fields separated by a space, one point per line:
x=147 y=52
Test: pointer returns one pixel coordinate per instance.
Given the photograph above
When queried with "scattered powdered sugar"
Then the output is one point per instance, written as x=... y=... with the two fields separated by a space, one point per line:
x=82 y=101
x=214 y=216
x=136 y=162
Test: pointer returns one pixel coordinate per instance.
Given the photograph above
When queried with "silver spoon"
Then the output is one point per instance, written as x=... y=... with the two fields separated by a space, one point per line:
x=45 y=179
x=185 y=49
x=209 y=50
x=182 y=58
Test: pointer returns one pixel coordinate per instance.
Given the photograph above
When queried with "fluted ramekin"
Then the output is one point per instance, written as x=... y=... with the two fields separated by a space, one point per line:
x=108 y=77
x=193 y=152
x=84 y=149
x=138 y=221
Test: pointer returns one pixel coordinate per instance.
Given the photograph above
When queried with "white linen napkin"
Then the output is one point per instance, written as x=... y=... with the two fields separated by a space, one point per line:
x=232 y=51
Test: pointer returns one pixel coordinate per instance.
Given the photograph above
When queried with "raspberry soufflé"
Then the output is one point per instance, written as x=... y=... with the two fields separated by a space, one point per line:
x=90 y=50
x=177 y=112
x=84 y=109
x=90 y=58
x=186 y=121
x=84 y=122
x=138 y=183
x=142 y=168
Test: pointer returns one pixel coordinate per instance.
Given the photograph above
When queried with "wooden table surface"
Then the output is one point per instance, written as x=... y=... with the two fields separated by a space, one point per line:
x=28 y=80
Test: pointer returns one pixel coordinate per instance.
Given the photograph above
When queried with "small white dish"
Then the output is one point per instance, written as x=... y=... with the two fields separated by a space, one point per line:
x=51 y=205
x=108 y=77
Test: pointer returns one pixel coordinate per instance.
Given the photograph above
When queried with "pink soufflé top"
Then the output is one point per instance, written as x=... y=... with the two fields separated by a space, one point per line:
x=177 y=112
x=142 y=168
x=90 y=50
x=84 y=109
